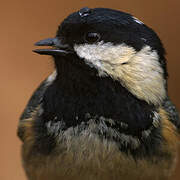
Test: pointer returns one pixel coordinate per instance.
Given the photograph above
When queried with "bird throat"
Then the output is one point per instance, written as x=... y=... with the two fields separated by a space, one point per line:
x=78 y=91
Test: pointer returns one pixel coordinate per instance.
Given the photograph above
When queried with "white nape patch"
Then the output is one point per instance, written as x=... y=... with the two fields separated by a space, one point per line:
x=51 y=78
x=137 y=20
x=140 y=72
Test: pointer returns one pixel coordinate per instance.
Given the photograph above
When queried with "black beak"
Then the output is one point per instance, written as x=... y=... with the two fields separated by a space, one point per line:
x=58 y=49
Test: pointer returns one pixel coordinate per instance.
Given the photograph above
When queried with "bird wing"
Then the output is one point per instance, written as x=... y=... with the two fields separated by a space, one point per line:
x=31 y=106
x=173 y=113
x=34 y=101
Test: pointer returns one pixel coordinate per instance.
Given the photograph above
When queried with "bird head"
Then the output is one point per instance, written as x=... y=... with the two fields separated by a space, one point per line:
x=112 y=44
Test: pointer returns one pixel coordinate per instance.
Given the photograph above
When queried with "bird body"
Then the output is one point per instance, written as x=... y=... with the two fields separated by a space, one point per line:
x=104 y=113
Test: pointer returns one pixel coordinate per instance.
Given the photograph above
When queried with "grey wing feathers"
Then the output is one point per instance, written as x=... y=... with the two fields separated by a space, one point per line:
x=34 y=101
x=173 y=113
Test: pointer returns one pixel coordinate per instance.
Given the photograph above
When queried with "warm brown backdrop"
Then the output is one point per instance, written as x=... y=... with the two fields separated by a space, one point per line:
x=24 y=22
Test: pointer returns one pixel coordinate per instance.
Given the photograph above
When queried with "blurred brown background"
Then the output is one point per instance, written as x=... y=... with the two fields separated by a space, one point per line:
x=24 y=22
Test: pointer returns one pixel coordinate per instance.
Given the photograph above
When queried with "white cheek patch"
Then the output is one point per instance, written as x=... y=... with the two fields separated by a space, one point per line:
x=140 y=72
x=137 y=20
x=104 y=52
x=104 y=55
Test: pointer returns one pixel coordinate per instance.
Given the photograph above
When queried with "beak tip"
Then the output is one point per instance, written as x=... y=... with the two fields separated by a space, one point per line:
x=40 y=51
x=45 y=42
x=35 y=51
x=36 y=44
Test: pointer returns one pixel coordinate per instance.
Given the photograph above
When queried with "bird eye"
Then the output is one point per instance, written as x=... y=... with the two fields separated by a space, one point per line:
x=92 y=37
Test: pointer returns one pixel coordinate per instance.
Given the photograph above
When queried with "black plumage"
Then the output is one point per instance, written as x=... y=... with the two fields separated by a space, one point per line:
x=78 y=99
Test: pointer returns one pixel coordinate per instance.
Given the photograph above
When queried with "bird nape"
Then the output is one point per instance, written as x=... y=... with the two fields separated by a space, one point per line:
x=104 y=113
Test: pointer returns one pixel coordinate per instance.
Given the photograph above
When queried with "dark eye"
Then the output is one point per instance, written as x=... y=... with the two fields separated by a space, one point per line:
x=92 y=37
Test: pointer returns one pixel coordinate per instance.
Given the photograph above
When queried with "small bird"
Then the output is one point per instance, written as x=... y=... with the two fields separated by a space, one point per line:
x=104 y=113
